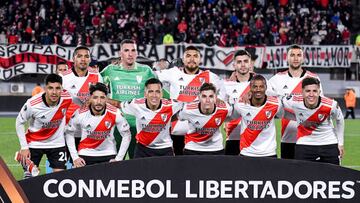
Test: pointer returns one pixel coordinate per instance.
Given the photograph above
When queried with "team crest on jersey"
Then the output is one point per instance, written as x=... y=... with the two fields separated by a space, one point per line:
x=218 y=121
x=139 y=78
x=63 y=111
x=202 y=80
x=164 y=116
x=321 y=117
x=268 y=114
x=108 y=124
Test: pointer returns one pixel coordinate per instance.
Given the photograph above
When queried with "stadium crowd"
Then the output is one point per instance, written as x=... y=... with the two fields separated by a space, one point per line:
x=222 y=22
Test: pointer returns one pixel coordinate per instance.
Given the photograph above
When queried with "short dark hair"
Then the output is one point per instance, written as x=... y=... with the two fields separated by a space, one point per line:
x=61 y=63
x=53 y=78
x=293 y=46
x=192 y=48
x=310 y=81
x=242 y=53
x=153 y=81
x=258 y=77
x=80 y=47
x=127 y=41
x=207 y=86
x=98 y=87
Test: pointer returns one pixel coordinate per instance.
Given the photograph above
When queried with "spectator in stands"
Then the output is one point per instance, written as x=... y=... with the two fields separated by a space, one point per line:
x=350 y=102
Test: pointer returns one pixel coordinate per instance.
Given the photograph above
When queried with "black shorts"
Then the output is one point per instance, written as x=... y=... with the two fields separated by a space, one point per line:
x=287 y=150
x=272 y=156
x=57 y=156
x=91 y=160
x=322 y=153
x=141 y=151
x=192 y=152
x=232 y=147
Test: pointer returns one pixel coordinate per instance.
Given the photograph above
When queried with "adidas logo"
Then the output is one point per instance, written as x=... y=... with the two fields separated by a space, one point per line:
x=43 y=117
x=248 y=114
x=143 y=118
x=181 y=79
x=234 y=91
x=285 y=87
x=300 y=114
x=73 y=87
x=197 y=123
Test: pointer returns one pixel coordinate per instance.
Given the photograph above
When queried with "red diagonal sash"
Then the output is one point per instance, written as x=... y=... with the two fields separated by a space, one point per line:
x=196 y=82
x=196 y=137
x=93 y=143
x=83 y=92
x=145 y=138
x=249 y=135
x=46 y=133
x=318 y=117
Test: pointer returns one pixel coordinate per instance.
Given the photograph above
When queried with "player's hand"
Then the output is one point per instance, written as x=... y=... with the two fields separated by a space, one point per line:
x=79 y=162
x=112 y=160
x=24 y=154
x=341 y=151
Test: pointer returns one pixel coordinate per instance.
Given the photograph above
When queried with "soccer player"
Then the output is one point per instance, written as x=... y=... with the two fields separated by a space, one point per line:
x=185 y=83
x=127 y=81
x=45 y=114
x=153 y=116
x=205 y=118
x=235 y=88
x=96 y=123
x=258 y=133
x=78 y=80
x=317 y=138
x=61 y=67
x=289 y=83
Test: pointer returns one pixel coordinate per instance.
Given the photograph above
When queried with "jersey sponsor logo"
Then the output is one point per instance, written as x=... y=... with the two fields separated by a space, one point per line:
x=139 y=78
x=218 y=121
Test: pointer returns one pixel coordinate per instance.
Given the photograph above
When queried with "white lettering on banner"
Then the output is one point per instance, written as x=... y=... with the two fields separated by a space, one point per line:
x=41 y=59
x=314 y=56
x=208 y=189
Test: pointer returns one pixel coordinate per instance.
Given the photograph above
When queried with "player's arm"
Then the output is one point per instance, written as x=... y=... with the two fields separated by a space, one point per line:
x=286 y=110
x=21 y=119
x=337 y=115
x=124 y=129
x=72 y=127
x=271 y=87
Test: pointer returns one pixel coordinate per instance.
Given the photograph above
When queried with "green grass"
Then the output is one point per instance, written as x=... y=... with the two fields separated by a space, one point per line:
x=9 y=144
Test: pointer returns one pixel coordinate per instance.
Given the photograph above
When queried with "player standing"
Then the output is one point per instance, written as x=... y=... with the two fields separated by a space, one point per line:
x=153 y=116
x=289 y=83
x=317 y=138
x=45 y=114
x=185 y=83
x=127 y=81
x=97 y=122
x=204 y=119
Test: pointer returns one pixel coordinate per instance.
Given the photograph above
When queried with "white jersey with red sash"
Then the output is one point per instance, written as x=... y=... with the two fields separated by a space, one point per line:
x=315 y=126
x=204 y=130
x=283 y=84
x=46 y=123
x=234 y=91
x=153 y=127
x=97 y=137
x=258 y=133
x=185 y=88
x=78 y=87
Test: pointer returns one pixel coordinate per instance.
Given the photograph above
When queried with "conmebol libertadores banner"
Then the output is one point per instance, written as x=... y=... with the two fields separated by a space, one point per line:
x=198 y=179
